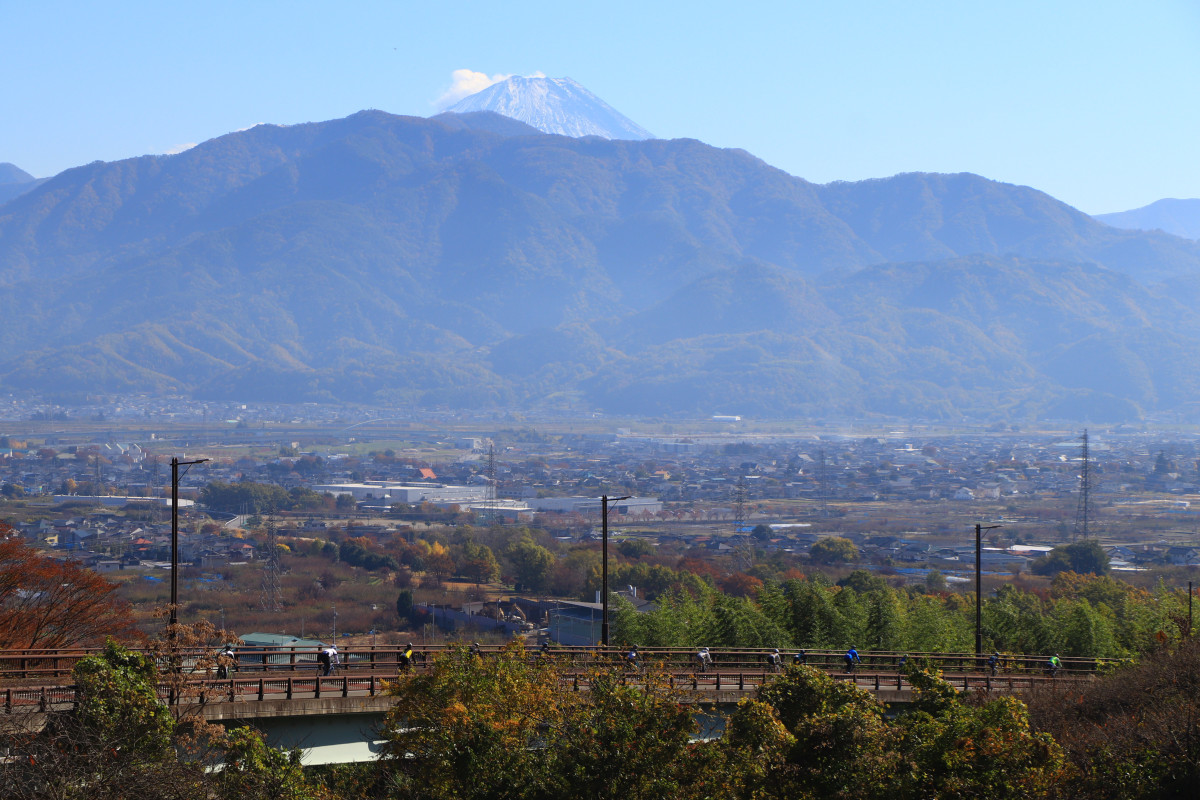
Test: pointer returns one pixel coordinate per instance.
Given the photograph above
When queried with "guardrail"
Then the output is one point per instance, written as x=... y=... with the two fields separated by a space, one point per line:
x=273 y=687
x=53 y=664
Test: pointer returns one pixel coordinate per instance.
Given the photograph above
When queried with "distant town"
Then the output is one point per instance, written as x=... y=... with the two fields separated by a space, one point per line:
x=93 y=484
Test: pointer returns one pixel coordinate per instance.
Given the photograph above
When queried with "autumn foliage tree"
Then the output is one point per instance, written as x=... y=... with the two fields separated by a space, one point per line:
x=122 y=741
x=47 y=603
x=502 y=727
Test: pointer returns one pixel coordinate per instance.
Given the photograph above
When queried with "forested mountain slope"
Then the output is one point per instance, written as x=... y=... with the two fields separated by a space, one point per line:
x=469 y=260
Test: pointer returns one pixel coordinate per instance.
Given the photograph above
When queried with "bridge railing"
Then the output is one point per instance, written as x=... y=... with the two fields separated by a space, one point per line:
x=46 y=665
x=271 y=686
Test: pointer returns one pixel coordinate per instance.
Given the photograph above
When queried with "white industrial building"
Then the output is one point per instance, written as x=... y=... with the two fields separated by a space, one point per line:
x=591 y=505
x=439 y=494
x=120 y=500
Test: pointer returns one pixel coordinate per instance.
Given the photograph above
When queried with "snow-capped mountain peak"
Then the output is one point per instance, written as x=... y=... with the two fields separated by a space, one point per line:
x=553 y=105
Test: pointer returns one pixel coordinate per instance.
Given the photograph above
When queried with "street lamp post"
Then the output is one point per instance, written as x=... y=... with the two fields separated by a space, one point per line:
x=979 y=529
x=175 y=465
x=604 y=501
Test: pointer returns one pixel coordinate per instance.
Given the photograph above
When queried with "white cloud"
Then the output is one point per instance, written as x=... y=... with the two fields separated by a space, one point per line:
x=179 y=148
x=465 y=82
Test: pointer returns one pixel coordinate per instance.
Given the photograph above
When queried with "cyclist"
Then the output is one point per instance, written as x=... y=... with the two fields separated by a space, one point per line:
x=631 y=658
x=703 y=660
x=775 y=660
x=406 y=658
x=851 y=659
x=800 y=659
x=1054 y=665
x=993 y=662
x=225 y=659
x=328 y=659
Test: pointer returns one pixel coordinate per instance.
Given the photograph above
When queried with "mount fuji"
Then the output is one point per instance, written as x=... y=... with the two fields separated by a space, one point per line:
x=553 y=105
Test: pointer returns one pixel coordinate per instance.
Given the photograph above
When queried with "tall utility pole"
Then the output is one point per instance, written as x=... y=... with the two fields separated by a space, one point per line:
x=979 y=529
x=175 y=465
x=604 y=501
x=1083 y=512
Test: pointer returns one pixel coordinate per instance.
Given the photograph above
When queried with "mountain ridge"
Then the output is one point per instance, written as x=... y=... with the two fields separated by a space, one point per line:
x=470 y=260
x=1176 y=217
x=15 y=182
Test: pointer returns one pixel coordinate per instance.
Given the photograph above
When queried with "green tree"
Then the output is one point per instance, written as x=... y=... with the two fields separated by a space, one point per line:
x=119 y=702
x=635 y=548
x=813 y=620
x=1086 y=556
x=122 y=741
x=478 y=563
x=251 y=768
x=531 y=564
x=833 y=550
x=404 y=605
x=885 y=628
x=989 y=750
x=1084 y=631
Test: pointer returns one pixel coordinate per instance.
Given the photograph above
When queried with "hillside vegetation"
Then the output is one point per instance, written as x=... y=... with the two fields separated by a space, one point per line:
x=469 y=262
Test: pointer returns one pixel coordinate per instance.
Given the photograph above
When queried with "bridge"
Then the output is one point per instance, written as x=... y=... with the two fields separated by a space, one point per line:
x=281 y=690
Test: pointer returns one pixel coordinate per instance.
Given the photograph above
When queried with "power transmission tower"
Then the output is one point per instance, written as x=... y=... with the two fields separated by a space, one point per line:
x=823 y=485
x=1083 y=511
x=491 y=485
x=271 y=599
x=739 y=505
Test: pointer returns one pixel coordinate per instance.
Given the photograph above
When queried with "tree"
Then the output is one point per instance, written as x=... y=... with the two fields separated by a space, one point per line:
x=985 y=750
x=1131 y=734
x=739 y=584
x=833 y=550
x=119 y=700
x=502 y=727
x=1086 y=556
x=635 y=548
x=468 y=717
x=531 y=564
x=47 y=603
x=812 y=736
x=251 y=769
x=935 y=581
x=404 y=605
x=122 y=741
x=479 y=563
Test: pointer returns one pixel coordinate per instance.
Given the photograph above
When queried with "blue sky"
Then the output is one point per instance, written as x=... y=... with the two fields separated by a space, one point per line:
x=1097 y=103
